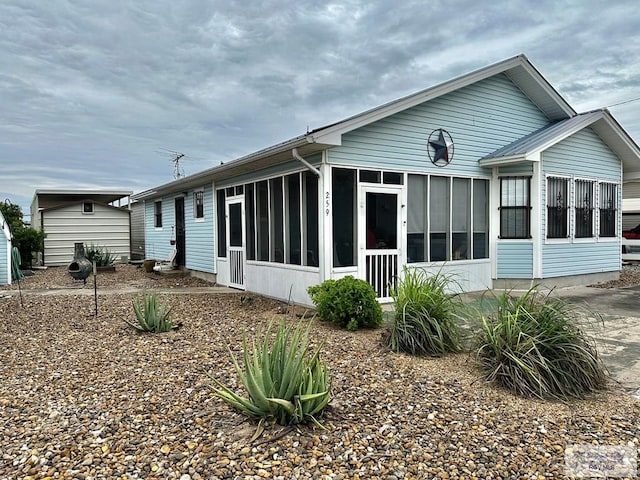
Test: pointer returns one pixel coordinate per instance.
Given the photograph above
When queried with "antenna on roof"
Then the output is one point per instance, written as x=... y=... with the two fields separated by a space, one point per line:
x=175 y=158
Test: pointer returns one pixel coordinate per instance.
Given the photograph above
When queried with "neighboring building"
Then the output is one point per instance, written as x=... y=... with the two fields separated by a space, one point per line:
x=491 y=177
x=5 y=252
x=87 y=216
x=137 y=231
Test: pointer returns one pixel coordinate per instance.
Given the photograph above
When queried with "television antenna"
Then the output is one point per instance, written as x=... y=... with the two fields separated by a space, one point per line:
x=175 y=159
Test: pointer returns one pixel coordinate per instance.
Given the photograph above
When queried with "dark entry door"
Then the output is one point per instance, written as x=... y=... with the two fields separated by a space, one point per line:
x=180 y=237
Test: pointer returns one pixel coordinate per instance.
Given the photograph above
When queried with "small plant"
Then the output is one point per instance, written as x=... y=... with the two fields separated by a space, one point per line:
x=534 y=347
x=348 y=302
x=150 y=316
x=282 y=381
x=424 y=321
x=102 y=256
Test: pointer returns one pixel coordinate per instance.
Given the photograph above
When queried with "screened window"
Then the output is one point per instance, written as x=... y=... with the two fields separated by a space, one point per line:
x=262 y=223
x=250 y=221
x=416 y=218
x=557 y=207
x=515 y=207
x=311 y=219
x=292 y=221
x=584 y=208
x=198 y=204
x=480 y=219
x=157 y=214
x=87 y=207
x=608 y=203
x=447 y=218
x=222 y=224
x=439 y=205
x=277 y=223
x=461 y=218
x=343 y=187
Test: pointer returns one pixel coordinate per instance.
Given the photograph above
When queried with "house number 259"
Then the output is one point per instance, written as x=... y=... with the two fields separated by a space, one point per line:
x=327 y=211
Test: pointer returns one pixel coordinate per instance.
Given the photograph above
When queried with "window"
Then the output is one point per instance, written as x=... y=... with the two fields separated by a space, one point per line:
x=292 y=223
x=198 y=204
x=515 y=207
x=310 y=195
x=222 y=224
x=480 y=218
x=439 y=207
x=608 y=204
x=157 y=214
x=557 y=207
x=262 y=223
x=343 y=188
x=87 y=207
x=277 y=223
x=458 y=208
x=584 y=208
x=250 y=221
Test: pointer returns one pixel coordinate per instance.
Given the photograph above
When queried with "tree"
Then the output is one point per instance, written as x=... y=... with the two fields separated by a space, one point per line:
x=27 y=239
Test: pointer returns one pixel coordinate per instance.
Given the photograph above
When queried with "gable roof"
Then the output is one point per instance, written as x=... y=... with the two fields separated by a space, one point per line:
x=601 y=122
x=518 y=69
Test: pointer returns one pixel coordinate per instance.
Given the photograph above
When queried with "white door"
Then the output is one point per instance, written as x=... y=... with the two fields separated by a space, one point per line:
x=235 y=242
x=380 y=232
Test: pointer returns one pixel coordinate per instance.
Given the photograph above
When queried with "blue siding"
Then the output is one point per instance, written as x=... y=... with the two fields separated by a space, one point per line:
x=515 y=260
x=481 y=118
x=199 y=234
x=519 y=169
x=582 y=155
x=157 y=244
x=563 y=259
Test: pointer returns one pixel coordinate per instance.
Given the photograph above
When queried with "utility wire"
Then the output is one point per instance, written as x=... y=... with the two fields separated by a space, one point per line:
x=622 y=103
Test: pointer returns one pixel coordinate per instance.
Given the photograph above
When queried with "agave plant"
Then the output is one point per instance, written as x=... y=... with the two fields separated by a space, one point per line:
x=424 y=321
x=534 y=346
x=150 y=316
x=282 y=380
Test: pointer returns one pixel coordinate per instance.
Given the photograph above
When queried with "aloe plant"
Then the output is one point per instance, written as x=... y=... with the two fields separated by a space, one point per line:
x=282 y=380
x=150 y=316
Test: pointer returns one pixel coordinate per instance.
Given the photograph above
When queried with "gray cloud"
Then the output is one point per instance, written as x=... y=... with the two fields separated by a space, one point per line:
x=91 y=90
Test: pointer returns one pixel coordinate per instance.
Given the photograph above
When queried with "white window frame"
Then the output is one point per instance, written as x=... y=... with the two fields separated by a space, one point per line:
x=196 y=193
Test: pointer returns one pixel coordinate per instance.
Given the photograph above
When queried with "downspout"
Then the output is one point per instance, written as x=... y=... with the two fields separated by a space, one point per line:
x=297 y=156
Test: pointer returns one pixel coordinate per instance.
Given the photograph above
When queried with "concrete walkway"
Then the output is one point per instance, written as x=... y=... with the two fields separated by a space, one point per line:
x=618 y=336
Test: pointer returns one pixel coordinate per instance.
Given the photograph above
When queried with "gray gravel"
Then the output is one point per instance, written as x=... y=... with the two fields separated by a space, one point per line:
x=89 y=398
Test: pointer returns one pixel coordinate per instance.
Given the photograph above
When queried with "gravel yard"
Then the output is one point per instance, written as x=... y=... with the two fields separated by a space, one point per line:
x=90 y=398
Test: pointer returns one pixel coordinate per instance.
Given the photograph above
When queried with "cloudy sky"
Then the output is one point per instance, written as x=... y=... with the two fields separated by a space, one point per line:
x=98 y=93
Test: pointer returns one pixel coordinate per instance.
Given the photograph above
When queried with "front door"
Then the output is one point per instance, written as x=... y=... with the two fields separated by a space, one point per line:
x=235 y=240
x=380 y=238
x=180 y=234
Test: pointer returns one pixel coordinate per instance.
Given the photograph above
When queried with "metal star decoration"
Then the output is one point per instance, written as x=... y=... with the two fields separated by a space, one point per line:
x=442 y=146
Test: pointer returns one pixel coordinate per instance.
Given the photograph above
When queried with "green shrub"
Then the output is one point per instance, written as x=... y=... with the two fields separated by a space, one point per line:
x=424 y=319
x=282 y=381
x=102 y=256
x=150 y=316
x=534 y=347
x=348 y=302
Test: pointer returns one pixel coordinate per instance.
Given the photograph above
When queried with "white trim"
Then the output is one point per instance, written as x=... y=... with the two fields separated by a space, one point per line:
x=536 y=226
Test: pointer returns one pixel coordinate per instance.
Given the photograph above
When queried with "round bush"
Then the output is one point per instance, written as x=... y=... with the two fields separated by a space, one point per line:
x=348 y=302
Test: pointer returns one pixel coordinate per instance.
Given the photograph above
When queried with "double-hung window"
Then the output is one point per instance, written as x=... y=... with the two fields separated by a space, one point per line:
x=557 y=207
x=608 y=202
x=515 y=207
x=584 y=208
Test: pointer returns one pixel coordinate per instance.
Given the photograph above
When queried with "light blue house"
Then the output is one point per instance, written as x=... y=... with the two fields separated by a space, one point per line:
x=5 y=252
x=492 y=177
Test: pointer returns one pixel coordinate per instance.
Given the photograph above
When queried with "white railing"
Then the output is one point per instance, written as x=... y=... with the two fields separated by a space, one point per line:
x=236 y=268
x=382 y=271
